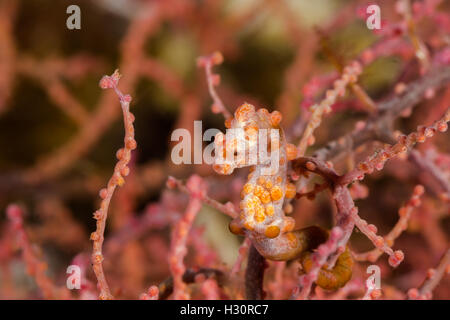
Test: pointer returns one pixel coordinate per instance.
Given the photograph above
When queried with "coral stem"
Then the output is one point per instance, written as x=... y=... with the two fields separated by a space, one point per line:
x=117 y=179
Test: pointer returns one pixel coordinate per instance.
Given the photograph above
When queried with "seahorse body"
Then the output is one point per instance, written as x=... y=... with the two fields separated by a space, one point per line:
x=262 y=217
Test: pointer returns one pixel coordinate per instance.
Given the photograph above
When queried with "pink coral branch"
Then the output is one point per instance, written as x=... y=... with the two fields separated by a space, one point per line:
x=372 y=293
x=349 y=76
x=210 y=289
x=426 y=163
x=151 y=294
x=213 y=80
x=401 y=225
x=378 y=127
x=35 y=267
x=63 y=99
x=340 y=195
x=227 y=208
x=421 y=51
x=243 y=250
x=121 y=170
x=369 y=230
x=404 y=143
x=434 y=276
x=178 y=250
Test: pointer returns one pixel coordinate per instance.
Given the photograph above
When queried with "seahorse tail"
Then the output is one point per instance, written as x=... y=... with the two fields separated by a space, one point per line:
x=335 y=278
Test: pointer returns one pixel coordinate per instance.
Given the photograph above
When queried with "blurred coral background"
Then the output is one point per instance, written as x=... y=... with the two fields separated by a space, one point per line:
x=59 y=133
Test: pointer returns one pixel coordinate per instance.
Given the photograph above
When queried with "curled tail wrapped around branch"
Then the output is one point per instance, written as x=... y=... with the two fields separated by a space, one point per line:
x=330 y=278
x=300 y=244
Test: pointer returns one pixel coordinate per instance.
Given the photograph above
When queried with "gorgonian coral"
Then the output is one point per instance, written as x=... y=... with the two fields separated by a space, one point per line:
x=319 y=149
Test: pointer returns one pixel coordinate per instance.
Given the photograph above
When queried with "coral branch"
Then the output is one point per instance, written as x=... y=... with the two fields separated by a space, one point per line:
x=372 y=293
x=227 y=208
x=210 y=289
x=35 y=267
x=162 y=241
x=350 y=75
x=213 y=80
x=178 y=250
x=434 y=276
x=346 y=217
x=395 y=257
x=254 y=275
x=401 y=225
x=367 y=103
x=424 y=162
x=404 y=8
x=243 y=249
x=121 y=170
x=377 y=127
x=404 y=143
x=166 y=287
x=151 y=294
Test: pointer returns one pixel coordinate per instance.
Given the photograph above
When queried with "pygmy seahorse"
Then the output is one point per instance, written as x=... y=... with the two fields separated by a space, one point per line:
x=255 y=138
